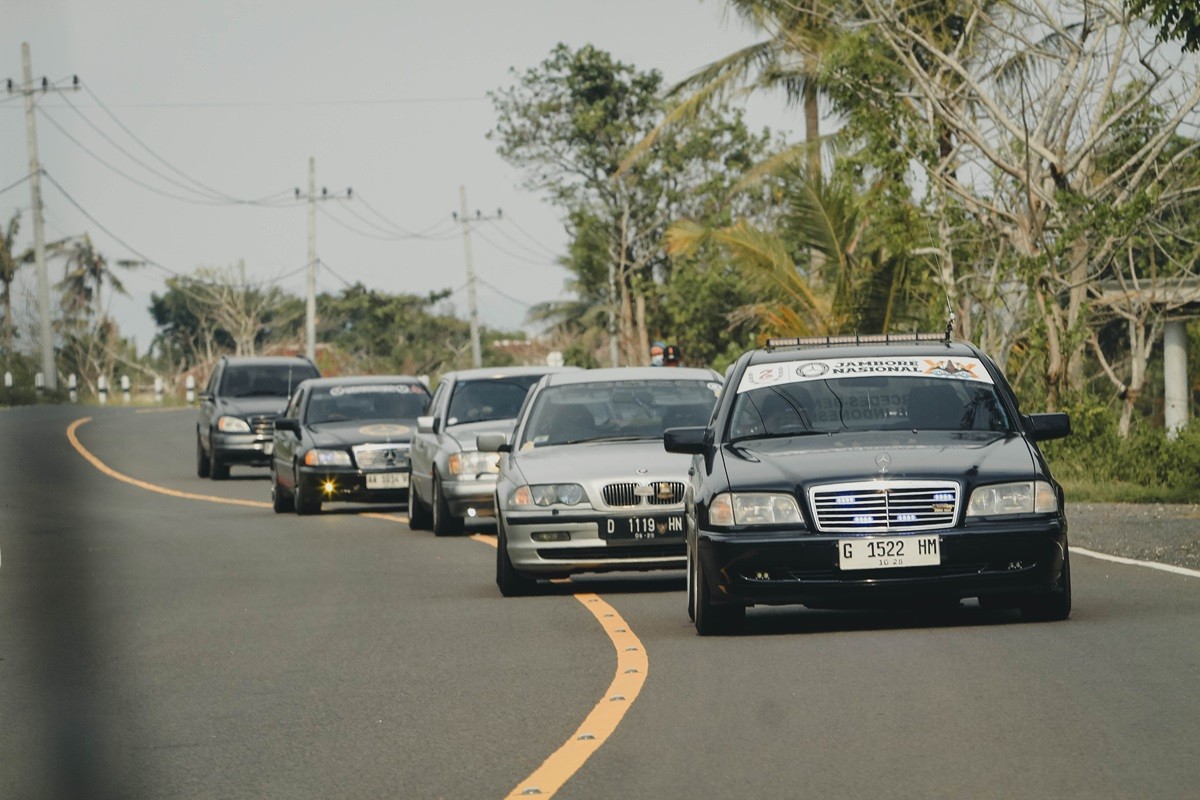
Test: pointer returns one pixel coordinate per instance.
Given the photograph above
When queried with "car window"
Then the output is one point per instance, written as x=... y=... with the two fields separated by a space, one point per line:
x=488 y=398
x=366 y=402
x=867 y=403
x=616 y=410
x=264 y=380
x=293 y=408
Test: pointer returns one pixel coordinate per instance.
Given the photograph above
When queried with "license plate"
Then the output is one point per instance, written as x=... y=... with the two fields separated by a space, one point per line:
x=387 y=480
x=889 y=551
x=642 y=527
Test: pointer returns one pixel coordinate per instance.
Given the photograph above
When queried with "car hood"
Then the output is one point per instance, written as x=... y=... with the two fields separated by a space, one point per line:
x=352 y=432
x=971 y=457
x=254 y=406
x=642 y=460
x=465 y=434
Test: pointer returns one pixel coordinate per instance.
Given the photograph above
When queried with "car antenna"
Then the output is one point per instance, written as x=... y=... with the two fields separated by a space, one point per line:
x=950 y=318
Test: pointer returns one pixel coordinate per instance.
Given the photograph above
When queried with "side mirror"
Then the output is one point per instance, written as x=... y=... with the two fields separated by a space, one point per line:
x=1042 y=427
x=205 y=397
x=427 y=425
x=492 y=443
x=287 y=424
x=685 y=440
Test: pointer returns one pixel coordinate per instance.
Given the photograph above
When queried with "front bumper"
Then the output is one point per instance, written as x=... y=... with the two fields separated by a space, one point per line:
x=474 y=498
x=333 y=484
x=251 y=449
x=792 y=568
x=586 y=550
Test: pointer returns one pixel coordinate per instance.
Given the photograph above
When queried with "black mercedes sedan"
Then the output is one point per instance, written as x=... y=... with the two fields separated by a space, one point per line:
x=860 y=472
x=345 y=439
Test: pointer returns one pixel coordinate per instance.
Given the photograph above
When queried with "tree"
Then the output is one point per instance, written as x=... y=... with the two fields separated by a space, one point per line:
x=570 y=123
x=1024 y=97
x=10 y=262
x=1175 y=19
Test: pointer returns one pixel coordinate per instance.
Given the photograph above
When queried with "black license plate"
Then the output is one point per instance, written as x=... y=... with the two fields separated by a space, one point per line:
x=649 y=527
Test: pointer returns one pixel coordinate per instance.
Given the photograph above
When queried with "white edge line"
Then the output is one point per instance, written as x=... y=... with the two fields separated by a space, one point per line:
x=1191 y=573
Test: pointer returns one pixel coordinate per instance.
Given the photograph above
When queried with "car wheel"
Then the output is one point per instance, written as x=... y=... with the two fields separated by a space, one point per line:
x=1052 y=605
x=511 y=582
x=444 y=523
x=418 y=513
x=712 y=620
x=279 y=498
x=303 y=504
x=201 y=459
x=218 y=470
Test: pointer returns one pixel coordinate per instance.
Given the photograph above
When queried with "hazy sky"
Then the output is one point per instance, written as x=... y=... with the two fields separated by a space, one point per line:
x=389 y=97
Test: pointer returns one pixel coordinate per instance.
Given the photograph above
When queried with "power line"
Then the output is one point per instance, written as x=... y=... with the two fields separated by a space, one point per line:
x=511 y=254
x=505 y=295
x=423 y=233
x=530 y=236
x=500 y=230
x=15 y=185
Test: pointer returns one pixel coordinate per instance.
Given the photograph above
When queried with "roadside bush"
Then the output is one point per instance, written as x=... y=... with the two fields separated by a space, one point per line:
x=1094 y=455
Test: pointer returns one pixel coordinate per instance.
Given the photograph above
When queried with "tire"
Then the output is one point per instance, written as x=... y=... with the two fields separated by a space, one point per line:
x=218 y=470
x=280 y=501
x=419 y=518
x=713 y=620
x=444 y=523
x=1055 y=604
x=202 y=464
x=301 y=502
x=511 y=582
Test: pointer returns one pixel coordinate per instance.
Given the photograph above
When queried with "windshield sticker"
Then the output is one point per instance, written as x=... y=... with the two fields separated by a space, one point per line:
x=384 y=430
x=963 y=369
x=403 y=388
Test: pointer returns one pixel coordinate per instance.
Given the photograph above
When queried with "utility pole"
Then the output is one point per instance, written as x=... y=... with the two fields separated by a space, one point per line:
x=472 y=305
x=310 y=302
x=46 y=331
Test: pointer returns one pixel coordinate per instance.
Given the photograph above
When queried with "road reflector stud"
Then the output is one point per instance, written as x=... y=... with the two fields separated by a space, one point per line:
x=616 y=698
x=585 y=737
x=532 y=790
x=631 y=671
x=631 y=649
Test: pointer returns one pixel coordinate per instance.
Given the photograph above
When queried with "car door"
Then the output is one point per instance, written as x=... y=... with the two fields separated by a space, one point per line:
x=425 y=444
x=286 y=442
x=208 y=407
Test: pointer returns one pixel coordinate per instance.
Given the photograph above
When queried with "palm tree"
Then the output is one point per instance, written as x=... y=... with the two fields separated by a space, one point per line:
x=10 y=262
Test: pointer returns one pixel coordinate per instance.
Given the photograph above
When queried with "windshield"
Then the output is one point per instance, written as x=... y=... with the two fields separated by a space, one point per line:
x=366 y=402
x=489 y=398
x=868 y=403
x=264 y=380
x=615 y=410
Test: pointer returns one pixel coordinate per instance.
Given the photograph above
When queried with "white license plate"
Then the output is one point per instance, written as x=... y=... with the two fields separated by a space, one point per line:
x=889 y=551
x=387 y=480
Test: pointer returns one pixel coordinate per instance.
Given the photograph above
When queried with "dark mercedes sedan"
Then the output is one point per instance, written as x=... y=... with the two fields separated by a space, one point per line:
x=869 y=471
x=346 y=439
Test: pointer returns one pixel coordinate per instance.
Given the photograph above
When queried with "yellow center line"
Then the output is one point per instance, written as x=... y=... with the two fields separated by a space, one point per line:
x=150 y=487
x=598 y=726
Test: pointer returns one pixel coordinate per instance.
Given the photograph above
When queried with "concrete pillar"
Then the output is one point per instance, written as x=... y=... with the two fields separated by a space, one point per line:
x=1175 y=382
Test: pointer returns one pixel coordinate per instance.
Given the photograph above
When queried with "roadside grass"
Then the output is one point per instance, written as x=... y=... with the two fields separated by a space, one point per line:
x=1110 y=491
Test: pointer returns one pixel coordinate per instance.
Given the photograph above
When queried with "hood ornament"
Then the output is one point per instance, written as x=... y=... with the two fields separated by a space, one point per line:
x=883 y=461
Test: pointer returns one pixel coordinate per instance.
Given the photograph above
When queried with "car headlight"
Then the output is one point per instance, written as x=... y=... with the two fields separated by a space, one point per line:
x=1025 y=497
x=232 y=425
x=547 y=494
x=754 y=509
x=327 y=458
x=472 y=464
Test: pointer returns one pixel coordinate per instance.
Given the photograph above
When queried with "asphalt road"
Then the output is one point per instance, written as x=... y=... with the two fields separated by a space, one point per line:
x=171 y=645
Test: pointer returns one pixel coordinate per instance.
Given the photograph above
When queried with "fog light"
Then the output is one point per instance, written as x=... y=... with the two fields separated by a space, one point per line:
x=551 y=536
x=329 y=487
x=470 y=512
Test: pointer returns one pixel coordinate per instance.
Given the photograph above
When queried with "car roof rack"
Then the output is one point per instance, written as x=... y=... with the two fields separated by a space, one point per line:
x=855 y=338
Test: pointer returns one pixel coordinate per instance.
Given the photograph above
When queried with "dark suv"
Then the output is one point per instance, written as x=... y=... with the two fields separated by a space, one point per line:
x=238 y=408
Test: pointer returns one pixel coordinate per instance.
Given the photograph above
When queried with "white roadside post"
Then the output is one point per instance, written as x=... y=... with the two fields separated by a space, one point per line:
x=8 y=380
x=125 y=388
x=102 y=390
x=39 y=383
x=73 y=386
x=158 y=389
x=190 y=383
